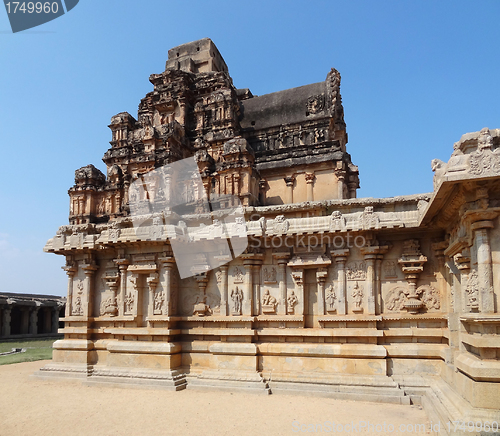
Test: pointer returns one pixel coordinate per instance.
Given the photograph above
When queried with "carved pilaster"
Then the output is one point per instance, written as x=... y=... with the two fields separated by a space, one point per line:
x=248 y=298
x=289 y=180
x=439 y=248
x=168 y=264
x=282 y=258
x=309 y=185
x=88 y=289
x=340 y=259
x=122 y=266
x=321 y=275
x=340 y=173
x=469 y=294
x=152 y=282
x=484 y=270
x=224 y=283
x=256 y=287
x=70 y=269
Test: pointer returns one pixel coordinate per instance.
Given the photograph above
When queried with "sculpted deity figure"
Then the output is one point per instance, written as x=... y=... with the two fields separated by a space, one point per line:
x=292 y=301
x=330 y=298
x=237 y=297
x=268 y=299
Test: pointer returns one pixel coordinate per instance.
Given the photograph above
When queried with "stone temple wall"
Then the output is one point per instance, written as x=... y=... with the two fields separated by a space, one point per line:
x=392 y=299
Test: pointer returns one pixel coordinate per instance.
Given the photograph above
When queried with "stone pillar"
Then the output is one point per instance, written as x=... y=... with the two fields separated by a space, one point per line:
x=282 y=286
x=168 y=264
x=25 y=320
x=55 y=320
x=47 y=328
x=6 y=322
x=466 y=301
x=439 y=249
x=256 y=289
x=122 y=266
x=33 y=329
x=309 y=183
x=378 y=284
x=289 y=180
x=248 y=290
x=484 y=271
x=341 y=258
x=321 y=275
x=88 y=289
x=224 y=284
x=340 y=173
x=370 y=281
x=152 y=282
x=70 y=271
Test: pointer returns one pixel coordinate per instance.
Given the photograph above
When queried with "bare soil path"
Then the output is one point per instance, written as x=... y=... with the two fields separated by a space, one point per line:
x=30 y=406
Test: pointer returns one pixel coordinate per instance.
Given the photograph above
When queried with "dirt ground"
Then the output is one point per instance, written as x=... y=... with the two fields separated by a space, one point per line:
x=30 y=406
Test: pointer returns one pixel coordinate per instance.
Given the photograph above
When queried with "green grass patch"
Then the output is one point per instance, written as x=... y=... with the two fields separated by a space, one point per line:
x=35 y=350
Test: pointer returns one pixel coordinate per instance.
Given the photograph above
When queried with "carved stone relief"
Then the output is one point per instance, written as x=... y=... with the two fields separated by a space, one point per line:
x=357 y=298
x=280 y=225
x=399 y=297
x=269 y=274
x=472 y=290
x=331 y=299
x=368 y=219
x=292 y=301
x=237 y=297
x=238 y=275
x=390 y=270
x=356 y=270
x=269 y=303
x=337 y=221
x=78 y=303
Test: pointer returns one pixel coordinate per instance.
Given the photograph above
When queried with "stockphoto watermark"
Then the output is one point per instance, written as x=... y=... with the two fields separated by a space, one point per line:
x=26 y=15
x=175 y=192
x=309 y=242
x=364 y=427
x=208 y=232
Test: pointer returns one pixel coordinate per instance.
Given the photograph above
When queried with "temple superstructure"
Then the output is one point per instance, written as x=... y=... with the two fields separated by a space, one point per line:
x=392 y=299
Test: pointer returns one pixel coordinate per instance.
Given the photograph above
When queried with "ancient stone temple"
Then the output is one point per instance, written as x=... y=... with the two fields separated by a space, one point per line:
x=392 y=299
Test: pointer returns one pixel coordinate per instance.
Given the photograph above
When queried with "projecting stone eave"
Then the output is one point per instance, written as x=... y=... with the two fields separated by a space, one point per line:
x=471 y=174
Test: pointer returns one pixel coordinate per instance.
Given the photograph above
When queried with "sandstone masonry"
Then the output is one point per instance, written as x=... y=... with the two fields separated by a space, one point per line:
x=392 y=299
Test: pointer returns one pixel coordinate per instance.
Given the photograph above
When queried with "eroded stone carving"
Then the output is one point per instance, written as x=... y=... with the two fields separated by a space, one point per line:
x=237 y=297
x=292 y=301
x=390 y=269
x=218 y=276
x=356 y=270
x=78 y=304
x=129 y=303
x=357 y=298
x=331 y=299
x=337 y=221
x=269 y=275
x=400 y=298
x=368 y=219
x=472 y=290
x=201 y=308
x=315 y=104
x=238 y=275
x=269 y=303
x=281 y=225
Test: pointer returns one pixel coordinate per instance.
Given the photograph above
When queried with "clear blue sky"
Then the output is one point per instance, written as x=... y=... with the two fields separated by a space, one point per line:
x=416 y=75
